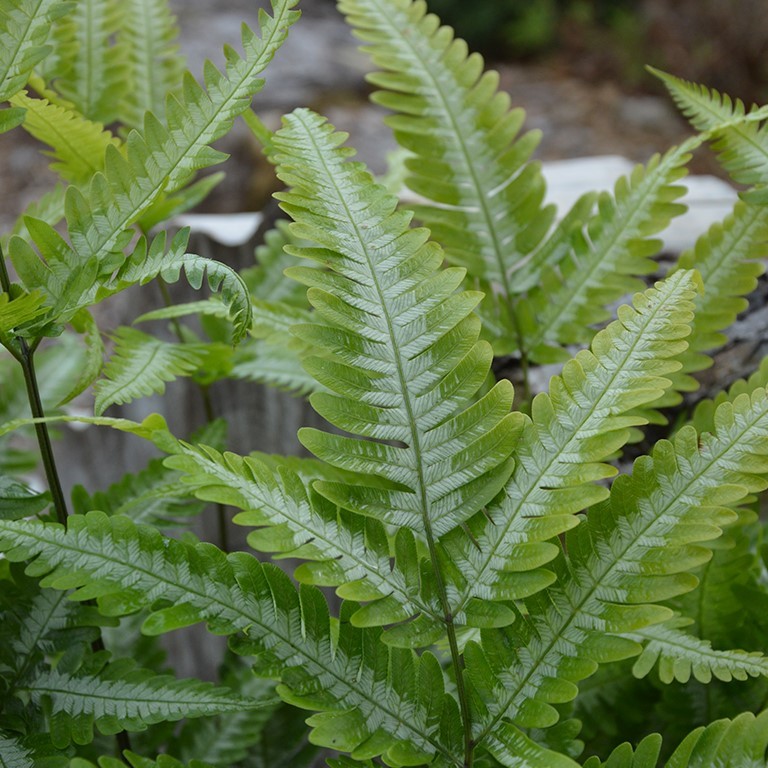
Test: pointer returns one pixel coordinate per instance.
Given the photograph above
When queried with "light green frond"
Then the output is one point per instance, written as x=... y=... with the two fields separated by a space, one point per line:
x=154 y=65
x=136 y=761
x=121 y=697
x=78 y=146
x=486 y=197
x=158 y=161
x=10 y=117
x=583 y=420
x=728 y=258
x=679 y=655
x=606 y=255
x=49 y=207
x=24 y=29
x=395 y=702
x=633 y=551
x=343 y=550
x=141 y=365
x=402 y=358
x=94 y=76
x=742 y=145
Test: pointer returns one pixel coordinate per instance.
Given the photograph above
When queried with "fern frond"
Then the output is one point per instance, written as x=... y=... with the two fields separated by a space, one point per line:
x=728 y=257
x=403 y=360
x=154 y=64
x=78 y=146
x=94 y=78
x=24 y=29
x=741 y=144
x=14 y=754
x=742 y=741
x=136 y=761
x=633 y=551
x=275 y=362
x=49 y=207
x=584 y=419
x=158 y=161
x=680 y=654
x=343 y=550
x=395 y=702
x=266 y=280
x=20 y=310
x=121 y=697
x=486 y=197
x=605 y=257
x=154 y=496
x=18 y=500
x=141 y=365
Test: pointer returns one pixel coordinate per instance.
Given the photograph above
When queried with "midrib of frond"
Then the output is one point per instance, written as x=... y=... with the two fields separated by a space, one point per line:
x=22 y=41
x=150 y=47
x=623 y=228
x=602 y=569
x=92 y=64
x=107 y=243
x=282 y=639
x=459 y=115
x=610 y=391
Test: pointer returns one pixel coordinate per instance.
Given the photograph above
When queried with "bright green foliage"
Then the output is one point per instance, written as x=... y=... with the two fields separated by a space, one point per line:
x=490 y=551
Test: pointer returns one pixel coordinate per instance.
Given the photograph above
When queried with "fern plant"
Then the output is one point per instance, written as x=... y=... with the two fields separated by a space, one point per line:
x=509 y=589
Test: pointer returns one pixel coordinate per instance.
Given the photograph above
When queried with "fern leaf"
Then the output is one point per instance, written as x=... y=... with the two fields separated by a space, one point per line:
x=13 y=754
x=94 y=77
x=404 y=362
x=19 y=311
x=633 y=551
x=605 y=257
x=266 y=281
x=343 y=550
x=486 y=197
x=154 y=496
x=120 y=697
x=577 y=426
x=276 y=362
x=18 y=500
x=155 y=67
x=141 y=365
x=159 y=161
x=84 y=324
x=395 y=704
x=680 y=654
x=737 y=743
x=24 y=29
x=49 y=207
x=728 y=259
x=741 y=144
x=10 y=118
x=77 y=145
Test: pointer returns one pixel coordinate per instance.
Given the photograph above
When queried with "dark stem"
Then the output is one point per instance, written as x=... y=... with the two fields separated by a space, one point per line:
x=25 y=355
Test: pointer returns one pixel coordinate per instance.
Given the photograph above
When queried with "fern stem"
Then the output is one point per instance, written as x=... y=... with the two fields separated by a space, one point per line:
x=25 y=355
